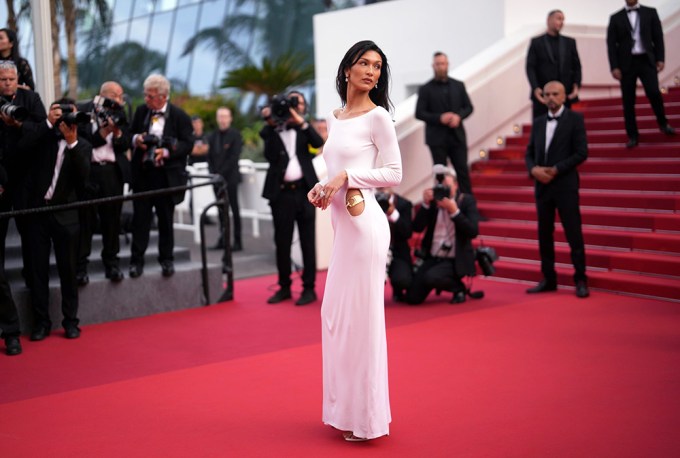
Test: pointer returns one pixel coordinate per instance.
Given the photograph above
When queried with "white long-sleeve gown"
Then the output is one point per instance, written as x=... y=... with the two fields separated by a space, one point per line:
x=355 y=387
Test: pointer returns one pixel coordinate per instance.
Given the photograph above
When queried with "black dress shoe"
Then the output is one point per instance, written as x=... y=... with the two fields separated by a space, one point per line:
x=12 y=346
x=39 y=334
x=668 y=130
x=582 y=290
x=167 y=268
x=114 y=274
x=307 y=297
x=72 y=332
x=458 y=298
x=280 y=296
x=81 y=278
x=136 y=270
x=543 y=287
x=632 y=142
x=237 y=246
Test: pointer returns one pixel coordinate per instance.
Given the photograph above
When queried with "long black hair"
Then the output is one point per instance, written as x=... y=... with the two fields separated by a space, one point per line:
x=380 y=95
x=14 y=54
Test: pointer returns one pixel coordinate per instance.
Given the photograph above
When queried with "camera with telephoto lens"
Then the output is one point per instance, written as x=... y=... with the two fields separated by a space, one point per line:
x=383 y=199
x=70 y=117
x=485 y=257
x=153 y=142
x=13 y=111
x=280 y=107
x=106 y=109
x=440 y=190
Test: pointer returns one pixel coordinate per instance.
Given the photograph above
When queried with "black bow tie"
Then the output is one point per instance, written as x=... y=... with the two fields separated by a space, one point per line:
x=554 y=118
x=632 y=10
x=159 y=114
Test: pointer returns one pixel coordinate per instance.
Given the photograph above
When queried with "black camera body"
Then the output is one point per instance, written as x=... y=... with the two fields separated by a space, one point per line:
x=485 y=257
x=153 y=142
x=441 y=191
x=70 y=117
x=13 y=111
x=383 y=199
x=106 y=109
x=280 y=107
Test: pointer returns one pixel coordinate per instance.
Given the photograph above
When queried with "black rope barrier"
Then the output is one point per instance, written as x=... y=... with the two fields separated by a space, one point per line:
x=213 y=179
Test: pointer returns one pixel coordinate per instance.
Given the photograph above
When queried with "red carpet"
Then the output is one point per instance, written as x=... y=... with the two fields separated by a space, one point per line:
x=510 y=375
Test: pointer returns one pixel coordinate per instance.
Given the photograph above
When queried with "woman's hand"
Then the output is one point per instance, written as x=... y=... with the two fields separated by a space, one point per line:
x=324 y=194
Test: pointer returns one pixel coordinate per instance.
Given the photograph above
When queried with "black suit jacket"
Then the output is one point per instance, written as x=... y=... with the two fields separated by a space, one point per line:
x=120 y=145
x=620 y=41
x=431 y=105
x=402 y=229
x=224 y=153
x=17 y=144
x=275 y=152
x=73 y=174
x=568 y=148
x=543 y=66
x=177 y=125
x=467 y=228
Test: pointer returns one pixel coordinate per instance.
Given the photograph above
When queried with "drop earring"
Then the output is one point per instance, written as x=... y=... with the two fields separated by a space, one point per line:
x=346 y=79
x=376 y=85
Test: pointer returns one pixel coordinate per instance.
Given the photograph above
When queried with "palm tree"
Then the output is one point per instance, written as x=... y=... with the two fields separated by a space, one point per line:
x=273 y=76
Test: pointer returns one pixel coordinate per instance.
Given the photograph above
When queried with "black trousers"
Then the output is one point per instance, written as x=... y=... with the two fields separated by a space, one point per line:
x=232 y=193
x=108 y=182
x=457 y=153
x=434 y=273
x=46 y=231
x=641 y=68
x=9 y=316
x=566 y=203
x=400 y=274
x=289 y=208
x=142 y=216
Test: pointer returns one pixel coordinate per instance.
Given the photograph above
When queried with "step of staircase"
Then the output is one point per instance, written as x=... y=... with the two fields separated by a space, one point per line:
x=635 y=165
x=650 y=136
x=648 y=151
x=627 y=182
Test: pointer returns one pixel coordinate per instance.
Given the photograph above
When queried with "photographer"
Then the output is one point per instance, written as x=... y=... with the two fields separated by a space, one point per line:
x=287 y=137
x=21 y=112
x=107 y=131
x=162 y=140
x=400 y=265
x=57 y=177
x=450 y=220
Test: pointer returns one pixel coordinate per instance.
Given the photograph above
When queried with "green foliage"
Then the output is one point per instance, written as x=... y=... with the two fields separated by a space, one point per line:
x=273 y=76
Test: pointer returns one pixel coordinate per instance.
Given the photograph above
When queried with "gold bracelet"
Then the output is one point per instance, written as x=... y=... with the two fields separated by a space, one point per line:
x=354 y=200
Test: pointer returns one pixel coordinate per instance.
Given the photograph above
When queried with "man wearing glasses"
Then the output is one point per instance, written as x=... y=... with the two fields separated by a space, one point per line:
x=162 y=139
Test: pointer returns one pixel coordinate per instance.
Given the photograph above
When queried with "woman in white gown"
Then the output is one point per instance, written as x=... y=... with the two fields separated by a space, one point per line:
x=361 y=153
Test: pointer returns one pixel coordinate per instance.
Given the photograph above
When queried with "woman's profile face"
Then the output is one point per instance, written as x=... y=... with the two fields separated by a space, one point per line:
x=5 y=44
x=364 y=74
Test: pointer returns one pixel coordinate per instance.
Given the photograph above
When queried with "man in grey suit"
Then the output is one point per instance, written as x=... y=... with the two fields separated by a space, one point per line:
x=553 y=57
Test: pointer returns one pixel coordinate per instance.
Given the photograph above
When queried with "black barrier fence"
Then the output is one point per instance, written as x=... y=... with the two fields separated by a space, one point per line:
x=223 y=200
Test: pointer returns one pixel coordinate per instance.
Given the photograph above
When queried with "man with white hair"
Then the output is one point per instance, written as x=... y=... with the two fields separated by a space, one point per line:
x=450 y=220
x=162 y=140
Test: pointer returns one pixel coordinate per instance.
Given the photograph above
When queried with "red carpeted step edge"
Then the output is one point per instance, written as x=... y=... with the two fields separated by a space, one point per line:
x=646 y=263
x=593 y=165
x=646 y=151
x=658 y=287
x=620 y=239
x=588 y=181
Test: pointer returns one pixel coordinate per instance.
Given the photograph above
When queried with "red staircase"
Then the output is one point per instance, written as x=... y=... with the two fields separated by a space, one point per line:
x=630 y=204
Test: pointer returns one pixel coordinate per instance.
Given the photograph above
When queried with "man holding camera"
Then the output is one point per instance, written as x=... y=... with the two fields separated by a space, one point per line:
x=21 y=111
x=57 y=177
x=223 y=154
x=107 y=132
x=162 y=140
x=450 y=220
x=556 y=147
x=399 y=213
x=287 y=138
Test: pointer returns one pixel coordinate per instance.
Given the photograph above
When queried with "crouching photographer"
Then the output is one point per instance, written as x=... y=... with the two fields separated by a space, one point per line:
x=450 y=220
x=400 y=265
